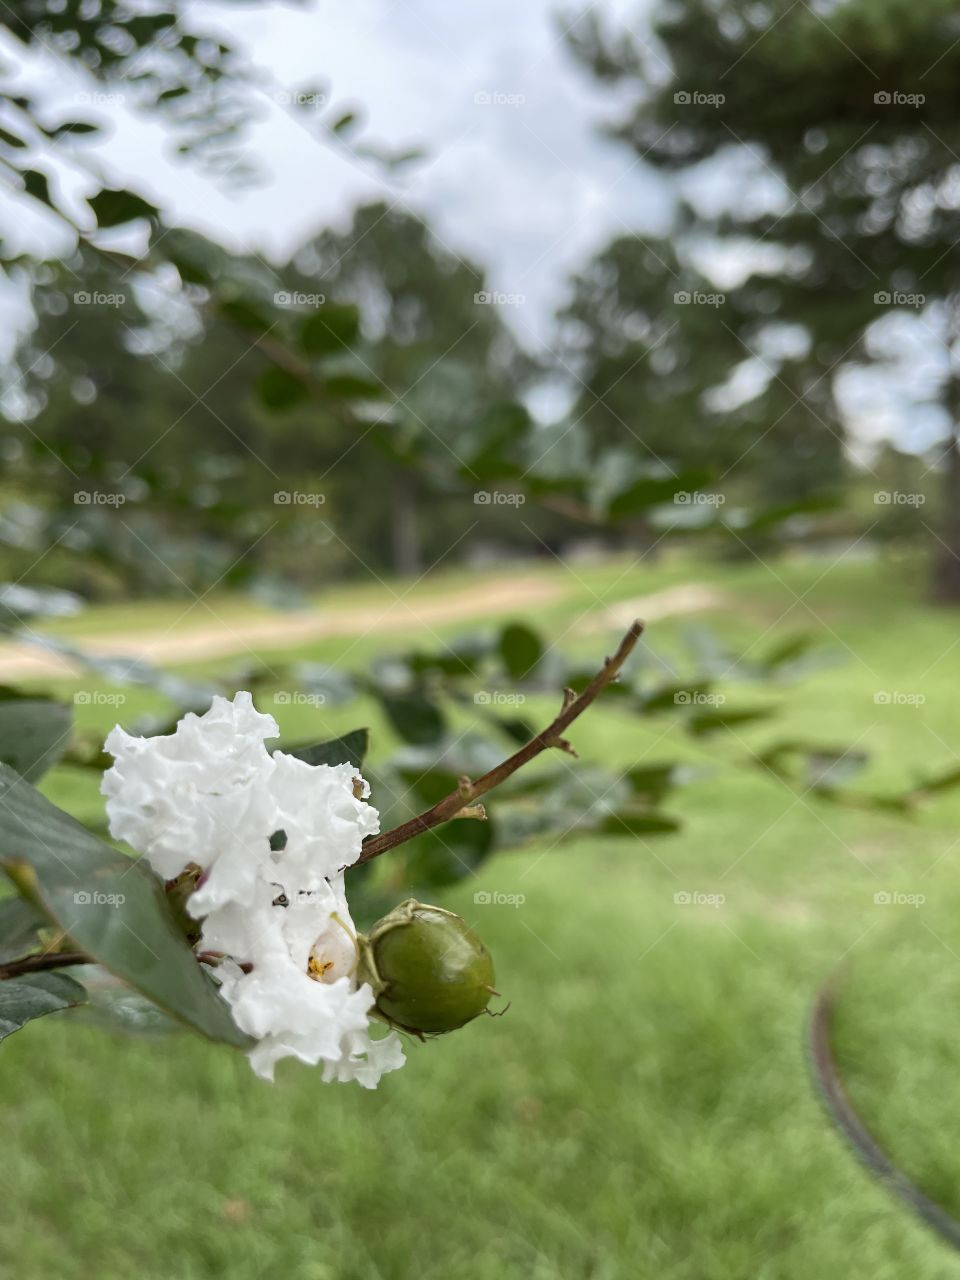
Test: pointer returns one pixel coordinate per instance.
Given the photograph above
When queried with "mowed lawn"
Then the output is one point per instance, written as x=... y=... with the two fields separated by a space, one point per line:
x=645 y=1108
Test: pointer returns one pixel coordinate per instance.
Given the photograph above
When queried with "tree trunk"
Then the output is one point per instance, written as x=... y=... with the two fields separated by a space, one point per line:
x=946 y=577
x=404 y=525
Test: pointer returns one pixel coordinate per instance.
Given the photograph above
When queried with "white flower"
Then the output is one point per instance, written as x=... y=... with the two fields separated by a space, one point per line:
x=211 y=794
x=194 y=794
x=325 y=823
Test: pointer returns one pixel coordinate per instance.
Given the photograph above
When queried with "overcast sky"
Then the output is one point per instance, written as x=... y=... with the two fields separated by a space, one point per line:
x=517 y=175
x=521 y=182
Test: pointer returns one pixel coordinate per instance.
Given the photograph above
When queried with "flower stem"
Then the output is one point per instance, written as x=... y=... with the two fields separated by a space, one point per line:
x=468 y=792
x=40 y=963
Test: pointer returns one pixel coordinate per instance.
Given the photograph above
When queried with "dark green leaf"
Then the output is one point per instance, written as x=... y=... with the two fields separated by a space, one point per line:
x=279 y=389
x=415 y=718
x=111 y=907
x=639 y=822
x=650 y=491
x=520 y=648
x=653 y=781
x=672 y=697
x=448 y=853
x=940 y=782
x=75 y=127
x=34 y=994
x=329 y=330
x=34 y=734
x=724 y=718
x=350 y=749
x=349 y=387
x=11 y=139
x=36 y=184
x=344 y=123
x=112 y=207
x=246 y=314
x=20 y=925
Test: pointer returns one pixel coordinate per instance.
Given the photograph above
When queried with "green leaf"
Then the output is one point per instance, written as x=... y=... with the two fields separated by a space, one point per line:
x=37 y=185
x=823 y=768
x=110 y=907
x=114 y=1007
x=449 y=853
x=246 y=314
x=520 y=648
x=722 y=718
x=654 y=781
x=348 y=386
x=939 y=782
x=279 y=389
x=20 y=925
x=33 y=995
x=75 y=127
x=345 y=122
x=11 y=139
x=650 y=491
x=34 y=734
x=329 y=330
x=671 y=697
x=636 y=821
x=350 y=749
x=415 y=718
x=112 y=208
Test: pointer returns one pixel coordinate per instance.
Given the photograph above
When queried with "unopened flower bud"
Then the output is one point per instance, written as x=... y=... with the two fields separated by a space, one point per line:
x=429 y=971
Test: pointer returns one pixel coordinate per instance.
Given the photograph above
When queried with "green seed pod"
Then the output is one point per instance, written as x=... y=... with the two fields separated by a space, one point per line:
x=429 y=971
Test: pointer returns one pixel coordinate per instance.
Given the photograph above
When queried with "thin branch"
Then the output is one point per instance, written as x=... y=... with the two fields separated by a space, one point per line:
x=42 y=962
x=468 y=792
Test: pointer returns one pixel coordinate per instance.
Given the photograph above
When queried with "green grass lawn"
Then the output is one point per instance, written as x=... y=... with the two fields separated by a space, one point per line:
x=645 y=1107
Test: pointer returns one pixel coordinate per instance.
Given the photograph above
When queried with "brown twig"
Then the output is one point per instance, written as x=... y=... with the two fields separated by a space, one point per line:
x=40 y=963
x=468 y=792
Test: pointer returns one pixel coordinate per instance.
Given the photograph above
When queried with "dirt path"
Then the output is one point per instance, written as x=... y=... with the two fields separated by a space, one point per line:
x=218 y=638
x=286 y=630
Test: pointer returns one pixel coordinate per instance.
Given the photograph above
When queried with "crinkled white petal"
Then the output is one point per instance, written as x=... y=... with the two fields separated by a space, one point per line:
x=325 y=823
x=290 y=1015
x=189 y=796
